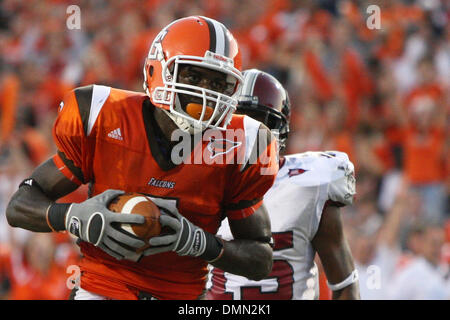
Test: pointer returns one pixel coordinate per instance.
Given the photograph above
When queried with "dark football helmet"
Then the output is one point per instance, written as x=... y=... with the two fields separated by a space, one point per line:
x=264 y=99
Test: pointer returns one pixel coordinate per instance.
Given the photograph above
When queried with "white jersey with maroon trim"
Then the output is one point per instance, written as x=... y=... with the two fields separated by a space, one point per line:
x=295 y=203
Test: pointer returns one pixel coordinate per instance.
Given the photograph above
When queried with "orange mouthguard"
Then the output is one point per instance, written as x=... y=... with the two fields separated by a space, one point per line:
x=195 y=111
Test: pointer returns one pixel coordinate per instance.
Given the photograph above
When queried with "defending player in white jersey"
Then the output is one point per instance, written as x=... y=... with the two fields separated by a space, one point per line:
x=303 y=205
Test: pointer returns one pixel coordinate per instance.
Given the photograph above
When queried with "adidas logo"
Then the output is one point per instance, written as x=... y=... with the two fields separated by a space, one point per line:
x=116 y=134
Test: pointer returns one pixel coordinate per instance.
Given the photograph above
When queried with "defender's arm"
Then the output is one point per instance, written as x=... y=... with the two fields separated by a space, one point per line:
x=335 y=255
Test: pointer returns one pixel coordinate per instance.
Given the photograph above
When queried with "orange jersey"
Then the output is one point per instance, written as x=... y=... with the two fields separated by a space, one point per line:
x=109 y=138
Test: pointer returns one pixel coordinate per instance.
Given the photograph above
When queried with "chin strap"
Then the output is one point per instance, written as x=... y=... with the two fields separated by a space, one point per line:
x=183 y=124
x=180 y=122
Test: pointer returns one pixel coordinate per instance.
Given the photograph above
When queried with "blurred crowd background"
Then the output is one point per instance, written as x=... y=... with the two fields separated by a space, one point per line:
x=380 y=95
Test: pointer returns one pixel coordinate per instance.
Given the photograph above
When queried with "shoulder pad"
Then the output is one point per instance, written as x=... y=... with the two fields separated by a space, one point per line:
x=332 y=168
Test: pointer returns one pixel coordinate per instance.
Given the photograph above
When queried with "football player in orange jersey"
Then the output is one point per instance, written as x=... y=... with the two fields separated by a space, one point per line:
x=119 y=140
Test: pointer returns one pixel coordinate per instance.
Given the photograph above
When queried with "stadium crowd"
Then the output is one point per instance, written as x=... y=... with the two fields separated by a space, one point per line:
x=380 y=95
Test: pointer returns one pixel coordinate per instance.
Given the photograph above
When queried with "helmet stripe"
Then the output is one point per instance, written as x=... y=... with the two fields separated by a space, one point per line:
x=218 y=43
x=249 y=82
x=226 y=51
x=212 y=35
x=220 y=38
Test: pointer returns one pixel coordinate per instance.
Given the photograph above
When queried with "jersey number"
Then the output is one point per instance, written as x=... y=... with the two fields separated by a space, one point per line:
x=282 y=275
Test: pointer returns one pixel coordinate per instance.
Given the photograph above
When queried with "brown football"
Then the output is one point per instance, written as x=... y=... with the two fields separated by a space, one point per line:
x=137 y=203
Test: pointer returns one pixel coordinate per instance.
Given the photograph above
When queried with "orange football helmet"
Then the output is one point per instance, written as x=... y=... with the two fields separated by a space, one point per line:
x=201 y=42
